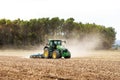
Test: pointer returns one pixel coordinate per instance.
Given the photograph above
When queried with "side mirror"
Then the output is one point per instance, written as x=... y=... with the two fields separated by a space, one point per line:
x=64 y=41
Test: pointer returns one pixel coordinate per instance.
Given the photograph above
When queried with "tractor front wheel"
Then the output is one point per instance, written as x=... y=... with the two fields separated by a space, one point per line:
x=68 y=55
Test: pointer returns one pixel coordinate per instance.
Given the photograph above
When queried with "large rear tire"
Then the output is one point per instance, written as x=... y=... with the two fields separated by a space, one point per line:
x=46 y=53
x=56 y=54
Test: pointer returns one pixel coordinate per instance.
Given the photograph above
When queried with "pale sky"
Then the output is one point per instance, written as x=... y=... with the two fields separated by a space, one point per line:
x=102 y=12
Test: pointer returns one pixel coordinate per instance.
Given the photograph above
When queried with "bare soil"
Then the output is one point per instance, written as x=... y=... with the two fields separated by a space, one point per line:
x=100 y=65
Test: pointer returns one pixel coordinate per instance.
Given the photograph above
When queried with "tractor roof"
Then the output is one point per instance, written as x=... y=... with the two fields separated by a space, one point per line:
x=54 y=40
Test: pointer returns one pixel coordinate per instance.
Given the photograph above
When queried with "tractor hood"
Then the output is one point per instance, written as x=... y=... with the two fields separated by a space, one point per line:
x=60 y=47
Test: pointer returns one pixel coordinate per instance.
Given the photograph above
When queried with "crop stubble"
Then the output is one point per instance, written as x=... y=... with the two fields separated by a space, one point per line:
x=83 y=68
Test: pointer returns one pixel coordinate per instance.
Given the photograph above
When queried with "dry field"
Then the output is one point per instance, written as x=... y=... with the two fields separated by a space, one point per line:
x=99 y=65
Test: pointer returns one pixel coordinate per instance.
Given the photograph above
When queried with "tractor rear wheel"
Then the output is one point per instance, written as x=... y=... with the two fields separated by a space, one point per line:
x=46 y=53
x=55 y=54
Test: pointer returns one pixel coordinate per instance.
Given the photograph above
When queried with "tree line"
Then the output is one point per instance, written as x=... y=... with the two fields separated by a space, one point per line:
x=37 y=31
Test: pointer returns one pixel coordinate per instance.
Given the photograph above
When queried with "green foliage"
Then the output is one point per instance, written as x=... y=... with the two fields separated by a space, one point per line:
x=37 y=31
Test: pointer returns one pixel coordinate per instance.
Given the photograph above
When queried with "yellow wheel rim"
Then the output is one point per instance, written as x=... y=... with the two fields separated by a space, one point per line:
x=54 y=55
x=45 y=53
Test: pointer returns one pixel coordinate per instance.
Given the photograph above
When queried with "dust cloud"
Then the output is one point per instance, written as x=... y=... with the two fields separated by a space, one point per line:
x=23 y=52
x=84 y=47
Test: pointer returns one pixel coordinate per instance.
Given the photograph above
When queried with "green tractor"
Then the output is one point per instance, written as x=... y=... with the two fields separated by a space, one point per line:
x=55 y=50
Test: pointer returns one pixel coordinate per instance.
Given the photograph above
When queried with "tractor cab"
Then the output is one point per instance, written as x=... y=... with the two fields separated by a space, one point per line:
x=55 y=43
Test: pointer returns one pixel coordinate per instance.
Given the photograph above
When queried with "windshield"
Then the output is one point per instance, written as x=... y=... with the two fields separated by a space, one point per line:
x=55 y=42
